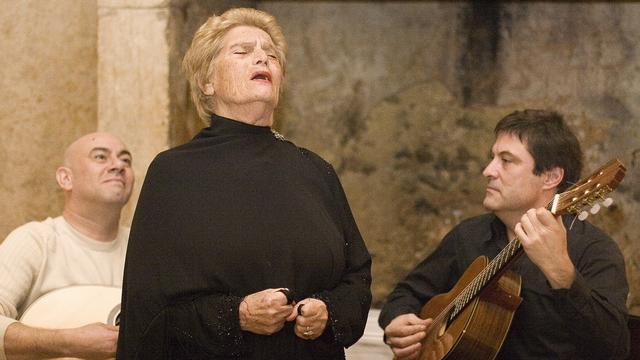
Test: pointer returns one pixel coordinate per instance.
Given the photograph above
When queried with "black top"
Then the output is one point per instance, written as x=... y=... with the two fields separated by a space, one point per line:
x=233 y=212
x=587 y=321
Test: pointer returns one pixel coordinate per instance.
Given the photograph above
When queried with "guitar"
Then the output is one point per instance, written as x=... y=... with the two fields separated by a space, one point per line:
x=74 y=306
x=472 y=320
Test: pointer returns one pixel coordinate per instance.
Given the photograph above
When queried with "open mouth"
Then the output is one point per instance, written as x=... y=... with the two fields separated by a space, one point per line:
x=261 y=75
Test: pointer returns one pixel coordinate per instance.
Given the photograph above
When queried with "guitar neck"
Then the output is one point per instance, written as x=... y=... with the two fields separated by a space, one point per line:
x=501 y=263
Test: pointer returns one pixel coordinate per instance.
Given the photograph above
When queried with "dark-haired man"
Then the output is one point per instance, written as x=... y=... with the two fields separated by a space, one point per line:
x=573 y=277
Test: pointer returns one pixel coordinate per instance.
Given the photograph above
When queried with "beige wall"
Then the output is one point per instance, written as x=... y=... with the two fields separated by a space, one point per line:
x=48 y=86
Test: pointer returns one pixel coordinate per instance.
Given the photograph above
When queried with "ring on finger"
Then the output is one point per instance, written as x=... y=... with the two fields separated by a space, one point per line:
x=308 y=332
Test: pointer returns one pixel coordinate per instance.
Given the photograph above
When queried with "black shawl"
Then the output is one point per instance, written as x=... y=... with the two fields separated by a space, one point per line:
x=233 y=212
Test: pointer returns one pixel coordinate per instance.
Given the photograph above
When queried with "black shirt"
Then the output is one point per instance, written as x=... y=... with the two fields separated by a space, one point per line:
x=233 y=212
x=587 y=321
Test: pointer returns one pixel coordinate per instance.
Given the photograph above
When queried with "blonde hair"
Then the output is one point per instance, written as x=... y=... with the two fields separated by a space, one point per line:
x=207 y=43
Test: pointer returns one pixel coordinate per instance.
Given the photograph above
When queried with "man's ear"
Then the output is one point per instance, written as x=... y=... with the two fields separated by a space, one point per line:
x=553 y=177
x=64 y=177
x=207 y=89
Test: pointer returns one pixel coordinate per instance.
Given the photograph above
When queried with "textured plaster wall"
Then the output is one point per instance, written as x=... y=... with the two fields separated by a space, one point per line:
x=48 y=86
x=402 y=99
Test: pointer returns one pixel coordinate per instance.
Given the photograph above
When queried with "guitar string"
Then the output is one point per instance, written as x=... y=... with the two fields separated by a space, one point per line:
x=480 y=280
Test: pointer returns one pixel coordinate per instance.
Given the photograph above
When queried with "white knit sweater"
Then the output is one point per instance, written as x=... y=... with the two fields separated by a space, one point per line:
x=39 y=257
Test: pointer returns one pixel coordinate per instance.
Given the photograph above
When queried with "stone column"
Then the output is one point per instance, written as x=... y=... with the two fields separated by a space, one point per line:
x=133 y=79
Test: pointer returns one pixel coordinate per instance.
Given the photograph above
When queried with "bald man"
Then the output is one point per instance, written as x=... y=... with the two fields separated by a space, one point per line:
x=84 y=246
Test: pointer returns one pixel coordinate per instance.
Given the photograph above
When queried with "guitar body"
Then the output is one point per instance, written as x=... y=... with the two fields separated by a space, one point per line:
x=480 y=329
x=74 y=306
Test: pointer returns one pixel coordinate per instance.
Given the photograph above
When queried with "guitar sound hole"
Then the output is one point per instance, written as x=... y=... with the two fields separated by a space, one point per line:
x=442 y=329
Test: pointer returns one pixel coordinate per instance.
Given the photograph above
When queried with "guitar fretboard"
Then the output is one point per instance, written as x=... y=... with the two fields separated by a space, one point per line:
x=487 y=274
x=495 y=266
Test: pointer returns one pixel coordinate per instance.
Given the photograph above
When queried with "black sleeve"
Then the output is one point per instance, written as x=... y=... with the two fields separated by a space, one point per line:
x=348 y=303
x=434 y=275
x=597 y=301
x=207 y=324
x=159 y=316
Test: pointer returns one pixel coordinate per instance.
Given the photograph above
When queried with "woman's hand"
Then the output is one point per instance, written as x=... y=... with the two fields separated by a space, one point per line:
x=311 y=317
x=264 y=312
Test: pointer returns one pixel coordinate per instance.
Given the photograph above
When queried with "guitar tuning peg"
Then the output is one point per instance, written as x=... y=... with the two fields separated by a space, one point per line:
x=607 y=202
x=583 y=215
x=594 y=209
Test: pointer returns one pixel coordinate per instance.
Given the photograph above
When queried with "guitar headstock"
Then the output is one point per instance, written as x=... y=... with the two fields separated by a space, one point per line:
x=590 y=191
